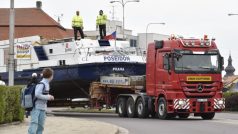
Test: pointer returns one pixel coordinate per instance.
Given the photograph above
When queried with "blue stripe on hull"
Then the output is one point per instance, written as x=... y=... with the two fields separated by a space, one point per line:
x=69 y=79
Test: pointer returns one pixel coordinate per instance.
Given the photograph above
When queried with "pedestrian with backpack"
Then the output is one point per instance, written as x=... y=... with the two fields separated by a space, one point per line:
x=38 y=113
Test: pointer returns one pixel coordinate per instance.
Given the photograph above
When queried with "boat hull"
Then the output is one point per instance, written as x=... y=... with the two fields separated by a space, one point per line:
x=73 y=81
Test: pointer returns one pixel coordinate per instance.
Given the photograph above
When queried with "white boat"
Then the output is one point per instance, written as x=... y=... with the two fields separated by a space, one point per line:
x=76 y=63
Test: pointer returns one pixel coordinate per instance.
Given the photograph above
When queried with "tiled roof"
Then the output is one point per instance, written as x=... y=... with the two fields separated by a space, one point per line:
x=31 y=22
x=27 y=17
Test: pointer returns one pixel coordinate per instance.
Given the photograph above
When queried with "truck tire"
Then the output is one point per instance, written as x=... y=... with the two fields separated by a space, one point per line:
x=130 y=108
x=183 y=115
x=141 y=108
x=208 y=116
x=121 y=106
x=162 y=109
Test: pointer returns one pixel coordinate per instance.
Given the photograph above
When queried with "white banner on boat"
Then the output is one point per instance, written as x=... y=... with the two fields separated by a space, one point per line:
x=23 y=50
x=115 y=80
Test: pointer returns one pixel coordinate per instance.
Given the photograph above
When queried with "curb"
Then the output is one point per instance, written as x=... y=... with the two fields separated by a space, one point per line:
x=12 y=123
x=122 y=131
x=119 y=130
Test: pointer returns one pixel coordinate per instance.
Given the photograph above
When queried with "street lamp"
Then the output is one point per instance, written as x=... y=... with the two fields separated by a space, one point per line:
x=156 y=23
x=231 y=14
x=123 y=3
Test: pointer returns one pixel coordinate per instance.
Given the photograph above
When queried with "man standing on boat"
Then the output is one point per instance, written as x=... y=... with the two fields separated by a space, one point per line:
x=77 y=24
x=101 y=23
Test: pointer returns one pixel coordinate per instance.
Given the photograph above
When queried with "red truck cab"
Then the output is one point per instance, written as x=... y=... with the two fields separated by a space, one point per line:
x=184 y=76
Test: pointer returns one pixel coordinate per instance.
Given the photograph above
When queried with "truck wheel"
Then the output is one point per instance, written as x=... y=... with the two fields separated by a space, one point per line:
x=208 y=116
x=141 y=109
x=131 y=112
x=183 y=115
x=121 y=106
x=162 y=109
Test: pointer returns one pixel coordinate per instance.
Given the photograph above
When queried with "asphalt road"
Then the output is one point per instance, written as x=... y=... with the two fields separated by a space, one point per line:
x=223 y=123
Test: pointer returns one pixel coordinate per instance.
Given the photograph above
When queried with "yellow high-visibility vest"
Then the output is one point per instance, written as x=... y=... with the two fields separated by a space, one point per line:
x=77 y=21
x=101 y=19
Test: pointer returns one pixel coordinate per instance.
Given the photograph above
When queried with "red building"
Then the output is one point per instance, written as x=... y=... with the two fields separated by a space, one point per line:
x=30 y=22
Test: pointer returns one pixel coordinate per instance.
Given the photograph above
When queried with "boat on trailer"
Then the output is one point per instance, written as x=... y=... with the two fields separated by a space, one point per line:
x=76 y=64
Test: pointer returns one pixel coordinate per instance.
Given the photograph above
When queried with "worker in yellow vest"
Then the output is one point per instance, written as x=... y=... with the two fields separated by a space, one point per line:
x=77 y=24
x=101 y=23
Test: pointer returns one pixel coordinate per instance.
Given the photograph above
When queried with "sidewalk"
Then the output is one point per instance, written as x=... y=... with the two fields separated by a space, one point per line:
x=62 y=125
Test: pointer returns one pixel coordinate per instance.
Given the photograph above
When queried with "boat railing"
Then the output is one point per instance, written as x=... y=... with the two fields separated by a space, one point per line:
x=125 y=51
x=107 y=50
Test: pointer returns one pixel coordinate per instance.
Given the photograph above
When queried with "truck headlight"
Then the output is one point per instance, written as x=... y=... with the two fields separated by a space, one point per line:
x=220 y=102
x=181 y=102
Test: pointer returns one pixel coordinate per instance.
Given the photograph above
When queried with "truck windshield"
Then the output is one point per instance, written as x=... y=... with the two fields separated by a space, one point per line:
x=199 y=63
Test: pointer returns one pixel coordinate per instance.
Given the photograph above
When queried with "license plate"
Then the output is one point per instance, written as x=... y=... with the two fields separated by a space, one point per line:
x=202 y=100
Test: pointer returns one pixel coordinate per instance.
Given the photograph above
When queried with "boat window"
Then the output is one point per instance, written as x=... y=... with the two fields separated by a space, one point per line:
x=50 y=51
x=103 y=43
x=62 y=62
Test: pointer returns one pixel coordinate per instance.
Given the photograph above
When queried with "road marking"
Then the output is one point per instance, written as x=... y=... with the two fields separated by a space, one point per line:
x=225 y=121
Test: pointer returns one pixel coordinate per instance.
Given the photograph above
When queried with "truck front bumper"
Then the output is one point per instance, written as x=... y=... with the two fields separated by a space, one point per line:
x=198 y=105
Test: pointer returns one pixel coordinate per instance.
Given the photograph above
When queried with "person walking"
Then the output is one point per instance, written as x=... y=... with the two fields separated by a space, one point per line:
x=101 y=23
x=77 y=24
x=2 y=83
x=38 y=114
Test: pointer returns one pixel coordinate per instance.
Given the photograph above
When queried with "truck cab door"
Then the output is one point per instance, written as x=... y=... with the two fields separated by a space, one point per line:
x=163 y=71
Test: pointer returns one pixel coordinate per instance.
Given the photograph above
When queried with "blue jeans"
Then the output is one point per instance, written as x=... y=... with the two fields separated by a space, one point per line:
x=37 y=121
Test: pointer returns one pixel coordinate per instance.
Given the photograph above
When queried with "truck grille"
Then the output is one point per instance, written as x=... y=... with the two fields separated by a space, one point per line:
x=199 y=89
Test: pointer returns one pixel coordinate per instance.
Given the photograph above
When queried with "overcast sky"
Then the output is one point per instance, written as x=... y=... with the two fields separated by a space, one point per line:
x=190 y=18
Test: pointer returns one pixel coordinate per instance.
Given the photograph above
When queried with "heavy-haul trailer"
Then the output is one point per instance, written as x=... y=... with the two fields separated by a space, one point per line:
x=183 y=76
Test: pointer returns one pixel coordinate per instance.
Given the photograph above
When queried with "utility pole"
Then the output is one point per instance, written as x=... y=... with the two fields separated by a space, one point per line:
x=11 y=45
x=123 y=3
x=113 y=12
x=156 y=23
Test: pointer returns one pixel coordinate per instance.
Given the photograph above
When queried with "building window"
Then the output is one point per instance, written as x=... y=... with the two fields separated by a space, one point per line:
x=133 y=43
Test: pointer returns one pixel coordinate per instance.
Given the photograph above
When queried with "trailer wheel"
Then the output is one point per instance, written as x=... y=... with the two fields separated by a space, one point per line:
x=131 y=112
x=162 y=109
x=208 y=116
x=141 y=109
x=121 y=106
x=183 y=115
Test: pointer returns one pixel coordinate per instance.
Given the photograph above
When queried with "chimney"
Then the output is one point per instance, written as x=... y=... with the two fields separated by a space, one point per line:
x=38 y=4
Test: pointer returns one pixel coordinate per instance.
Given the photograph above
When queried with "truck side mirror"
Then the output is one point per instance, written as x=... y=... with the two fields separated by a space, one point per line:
x=167 y=64
x=222 y=63
x=169 y=67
